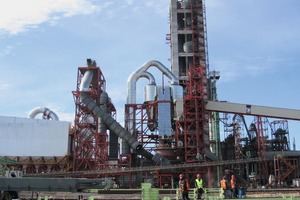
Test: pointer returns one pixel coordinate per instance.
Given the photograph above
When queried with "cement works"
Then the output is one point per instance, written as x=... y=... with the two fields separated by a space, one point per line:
x=176 y=129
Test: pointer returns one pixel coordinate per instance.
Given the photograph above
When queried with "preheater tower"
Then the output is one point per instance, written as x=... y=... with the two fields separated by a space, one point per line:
x=190 y=64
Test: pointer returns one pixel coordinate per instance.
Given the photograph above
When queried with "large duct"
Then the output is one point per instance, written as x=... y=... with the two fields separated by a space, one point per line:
x=109 y=121
x=112 y=124
x=113 y=137
x=149 y=76
x=139 y=72
x=103 y=106
x=86 y=80
x=152 y=84
x=47 y=113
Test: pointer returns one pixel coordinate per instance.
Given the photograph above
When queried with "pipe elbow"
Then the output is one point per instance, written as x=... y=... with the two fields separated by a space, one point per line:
x=45 y=111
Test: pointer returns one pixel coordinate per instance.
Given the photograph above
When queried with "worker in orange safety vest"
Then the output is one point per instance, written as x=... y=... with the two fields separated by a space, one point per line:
x=224 y=186
x=234 y=192
x=184 y=187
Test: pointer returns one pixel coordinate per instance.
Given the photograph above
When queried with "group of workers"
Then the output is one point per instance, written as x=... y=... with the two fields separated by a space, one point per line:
x=229 y=191
x=185 y=186
x=229 y=188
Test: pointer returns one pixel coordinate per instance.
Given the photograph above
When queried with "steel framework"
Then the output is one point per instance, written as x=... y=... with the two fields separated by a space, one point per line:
x=90 y=146
x=192 y=129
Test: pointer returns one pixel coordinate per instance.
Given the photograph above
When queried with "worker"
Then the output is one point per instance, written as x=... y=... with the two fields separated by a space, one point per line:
x=199 y=186
x=233 y=188
x=224 y=187
x=184 y=187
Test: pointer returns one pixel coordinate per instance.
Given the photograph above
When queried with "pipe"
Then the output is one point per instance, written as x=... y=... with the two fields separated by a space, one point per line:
x=150 y=77
x=147 y=75
x=103 y=106
x=109 y=121
x=140 y=72
x=46 y=112
x=113 y=125
x=86 y=80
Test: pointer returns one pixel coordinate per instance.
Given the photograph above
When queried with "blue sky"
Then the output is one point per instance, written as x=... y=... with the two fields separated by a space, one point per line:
x=254 y=44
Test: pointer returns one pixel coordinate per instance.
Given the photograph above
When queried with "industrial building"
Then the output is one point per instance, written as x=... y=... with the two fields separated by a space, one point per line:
x=176 y=129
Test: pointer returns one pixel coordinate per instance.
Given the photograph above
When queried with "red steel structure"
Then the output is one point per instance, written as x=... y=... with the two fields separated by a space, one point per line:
x=190 y=142
x=90 y=147
x=192 y=128
x=195 y=121
x=261 y=147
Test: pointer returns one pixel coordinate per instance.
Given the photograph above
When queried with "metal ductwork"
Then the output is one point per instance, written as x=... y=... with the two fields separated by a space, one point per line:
x=103 y=106
x=152 y=84
x=142 y=72
x=47 y=113
x=112 y=124
x=149 y=76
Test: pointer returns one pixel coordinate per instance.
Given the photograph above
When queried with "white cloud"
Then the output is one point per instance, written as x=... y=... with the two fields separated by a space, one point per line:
x=6 y=50
x=4 y=86
x=130 y=2
x=17 y=16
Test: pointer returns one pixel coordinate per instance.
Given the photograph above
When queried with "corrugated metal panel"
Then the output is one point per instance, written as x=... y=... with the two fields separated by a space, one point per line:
x=113 y=145
x=33 y=137
x=164 y=111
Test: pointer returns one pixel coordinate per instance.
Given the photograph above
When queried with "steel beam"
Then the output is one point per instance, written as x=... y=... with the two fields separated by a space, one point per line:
x=248 y=109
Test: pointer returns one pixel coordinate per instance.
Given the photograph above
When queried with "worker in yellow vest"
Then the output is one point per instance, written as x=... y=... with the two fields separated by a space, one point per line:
x=199 y=186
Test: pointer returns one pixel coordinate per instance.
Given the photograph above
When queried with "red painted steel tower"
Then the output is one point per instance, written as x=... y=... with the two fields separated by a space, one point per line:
x=190 y=65
x=90 y=147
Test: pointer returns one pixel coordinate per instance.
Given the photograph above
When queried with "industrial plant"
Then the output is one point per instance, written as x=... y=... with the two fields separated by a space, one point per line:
x=179 y=128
